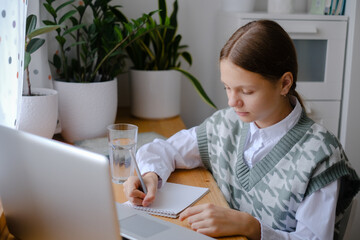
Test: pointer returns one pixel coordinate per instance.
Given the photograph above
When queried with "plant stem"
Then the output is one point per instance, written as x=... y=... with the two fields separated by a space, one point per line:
x=28 y=81
x=78 y=33
x=27 y=69
x=64 y=60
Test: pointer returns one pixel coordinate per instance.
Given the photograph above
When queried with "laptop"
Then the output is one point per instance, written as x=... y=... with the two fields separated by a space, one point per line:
x=52 y=190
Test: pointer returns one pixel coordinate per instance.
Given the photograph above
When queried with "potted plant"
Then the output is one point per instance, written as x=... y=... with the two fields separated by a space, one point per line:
x=87 y=85
x=156 y=72
x=39 y=106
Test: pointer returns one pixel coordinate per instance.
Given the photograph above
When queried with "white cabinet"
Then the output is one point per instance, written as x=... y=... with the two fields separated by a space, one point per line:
x=320 y=42
x=327 y=113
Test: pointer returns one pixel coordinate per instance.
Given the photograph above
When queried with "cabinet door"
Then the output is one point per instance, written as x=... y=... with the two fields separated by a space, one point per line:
x=326 y=113
x=320 y=47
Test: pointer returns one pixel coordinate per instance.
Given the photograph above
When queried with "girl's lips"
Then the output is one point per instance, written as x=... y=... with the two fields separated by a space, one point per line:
x=242 y=114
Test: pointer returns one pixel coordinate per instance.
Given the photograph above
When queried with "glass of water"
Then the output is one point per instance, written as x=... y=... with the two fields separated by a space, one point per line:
x=122 y=139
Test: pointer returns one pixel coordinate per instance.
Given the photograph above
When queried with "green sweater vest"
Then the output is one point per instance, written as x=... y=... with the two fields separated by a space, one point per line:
x=305 y=160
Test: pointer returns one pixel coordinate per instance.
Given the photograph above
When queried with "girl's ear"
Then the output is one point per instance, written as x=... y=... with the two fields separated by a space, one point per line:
x=286 y=83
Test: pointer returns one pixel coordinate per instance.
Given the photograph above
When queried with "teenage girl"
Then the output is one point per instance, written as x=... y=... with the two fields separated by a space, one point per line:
x=283 y=175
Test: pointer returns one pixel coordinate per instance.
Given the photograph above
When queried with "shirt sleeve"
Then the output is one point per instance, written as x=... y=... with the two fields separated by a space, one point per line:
x=164 y=156
x=315 y=216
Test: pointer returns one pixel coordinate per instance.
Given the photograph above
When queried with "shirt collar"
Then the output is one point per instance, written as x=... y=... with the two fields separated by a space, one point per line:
x=280 y=128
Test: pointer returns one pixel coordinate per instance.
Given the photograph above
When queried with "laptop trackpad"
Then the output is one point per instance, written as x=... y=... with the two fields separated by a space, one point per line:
x=142 y=226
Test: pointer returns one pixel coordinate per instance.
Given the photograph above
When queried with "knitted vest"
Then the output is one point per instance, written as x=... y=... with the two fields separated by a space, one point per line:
x=305 y=160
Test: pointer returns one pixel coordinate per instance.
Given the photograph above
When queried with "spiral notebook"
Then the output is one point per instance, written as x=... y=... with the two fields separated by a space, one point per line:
x=172 y=199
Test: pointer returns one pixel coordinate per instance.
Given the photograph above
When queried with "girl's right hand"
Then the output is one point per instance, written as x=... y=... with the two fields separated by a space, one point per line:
x=135 y=195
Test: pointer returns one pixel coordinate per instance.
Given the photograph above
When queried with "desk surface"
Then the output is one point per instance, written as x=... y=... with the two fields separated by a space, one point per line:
x=195 y=177
x=166 y=127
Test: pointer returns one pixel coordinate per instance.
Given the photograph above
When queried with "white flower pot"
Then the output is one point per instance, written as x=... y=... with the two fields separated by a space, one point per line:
x=86 y=109
x=155 y=94
x=39 y=114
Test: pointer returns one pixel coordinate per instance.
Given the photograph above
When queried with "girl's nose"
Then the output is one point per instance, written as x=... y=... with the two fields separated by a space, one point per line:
x=234 y=100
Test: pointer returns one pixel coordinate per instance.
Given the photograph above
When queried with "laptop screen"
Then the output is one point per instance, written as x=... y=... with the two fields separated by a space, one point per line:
x=52 y=190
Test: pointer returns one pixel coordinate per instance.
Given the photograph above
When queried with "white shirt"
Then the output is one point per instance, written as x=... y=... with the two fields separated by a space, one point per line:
x=260 y=141
x=315 y=215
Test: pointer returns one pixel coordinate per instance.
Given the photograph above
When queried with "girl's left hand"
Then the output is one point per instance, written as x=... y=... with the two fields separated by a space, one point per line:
x=216 y=221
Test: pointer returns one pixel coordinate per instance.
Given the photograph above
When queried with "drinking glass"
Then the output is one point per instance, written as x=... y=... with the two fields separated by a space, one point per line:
x=122 y=139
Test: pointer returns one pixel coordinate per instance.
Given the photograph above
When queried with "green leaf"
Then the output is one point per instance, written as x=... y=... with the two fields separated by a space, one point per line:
x=66 y=16
x=173 y=17
x=74 y=21
x=78 y=43
x=74 y=28
x=47 y=22
x=146 y=48
x=173 y=23
x=118 y=34
x=57 y=61
x=34 y=45
x=163 y=11
x=64 y=5
x=51 y=10
x=81 y=10
x=187 y=57
x=42 y=30
x=119 y=15
x=30 y=23
x=61 y=40
x=50 y=1
x=197 y=86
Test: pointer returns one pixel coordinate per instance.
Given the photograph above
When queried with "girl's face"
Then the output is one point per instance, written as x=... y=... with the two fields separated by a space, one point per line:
x=254 y=98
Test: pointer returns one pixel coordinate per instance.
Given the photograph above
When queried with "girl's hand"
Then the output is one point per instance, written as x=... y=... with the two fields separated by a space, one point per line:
x=218 y=221
x=136 y=196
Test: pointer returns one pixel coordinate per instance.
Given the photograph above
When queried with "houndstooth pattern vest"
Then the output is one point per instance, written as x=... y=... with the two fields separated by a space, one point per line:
x=305 y=160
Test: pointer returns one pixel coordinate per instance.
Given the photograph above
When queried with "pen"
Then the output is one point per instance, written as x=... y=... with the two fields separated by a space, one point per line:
x=138 y=173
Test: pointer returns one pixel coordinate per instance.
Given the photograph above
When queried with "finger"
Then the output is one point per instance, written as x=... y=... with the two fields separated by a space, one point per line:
x=207 y=227
x=191 y=211
x=151 y=184
x=136 y=201
x=136 y=197
x=150 y=197
x=198 y=225
x=210 y=230
x=131 y=182
x=131 y=188
x=136 y=193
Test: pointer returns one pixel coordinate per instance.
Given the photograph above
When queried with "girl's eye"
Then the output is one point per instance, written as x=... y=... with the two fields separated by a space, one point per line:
x=248 y=92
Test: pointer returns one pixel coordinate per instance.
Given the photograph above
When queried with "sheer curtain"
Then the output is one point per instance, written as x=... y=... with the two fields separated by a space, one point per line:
x=12 y=41
x=39 y=68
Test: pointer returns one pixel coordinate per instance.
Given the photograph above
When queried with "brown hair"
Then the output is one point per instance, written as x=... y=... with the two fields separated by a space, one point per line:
x=265 y=48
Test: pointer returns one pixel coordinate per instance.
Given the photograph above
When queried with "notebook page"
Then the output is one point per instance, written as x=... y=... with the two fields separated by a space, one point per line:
x=172 y=199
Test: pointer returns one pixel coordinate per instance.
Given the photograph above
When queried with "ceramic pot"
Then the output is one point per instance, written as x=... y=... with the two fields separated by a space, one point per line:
x=86 y=109
x=155 y=94
x=39 y=113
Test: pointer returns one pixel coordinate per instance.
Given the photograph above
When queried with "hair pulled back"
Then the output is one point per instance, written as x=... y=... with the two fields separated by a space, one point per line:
x=265 y=48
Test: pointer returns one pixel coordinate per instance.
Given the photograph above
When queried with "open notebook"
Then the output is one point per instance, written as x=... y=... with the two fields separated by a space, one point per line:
x=172 y=199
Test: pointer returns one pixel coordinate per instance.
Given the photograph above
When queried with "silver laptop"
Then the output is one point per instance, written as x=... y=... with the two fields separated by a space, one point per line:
x=51 y=190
